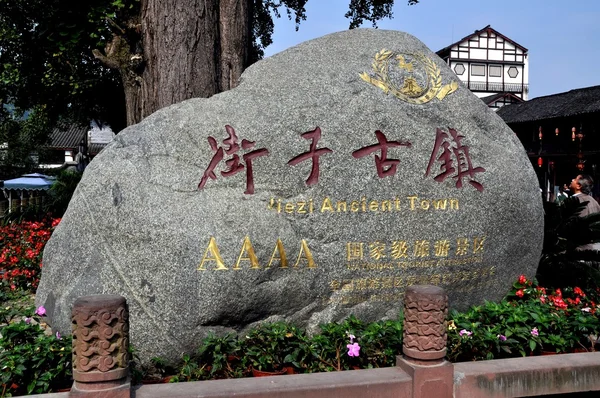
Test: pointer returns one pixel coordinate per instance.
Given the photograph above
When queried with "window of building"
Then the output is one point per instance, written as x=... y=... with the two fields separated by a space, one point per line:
x=495 y=71
x=459 y=69
x=477 y=70
x=513 y=72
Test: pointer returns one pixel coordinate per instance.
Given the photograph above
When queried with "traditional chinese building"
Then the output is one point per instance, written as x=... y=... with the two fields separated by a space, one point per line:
x=65 y=141
x=492 y=66
x=560 y=134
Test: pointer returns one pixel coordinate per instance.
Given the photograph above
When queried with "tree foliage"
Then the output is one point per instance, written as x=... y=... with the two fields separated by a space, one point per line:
x=46 y=59
x=73 y=60
x=21 y=140
x=370 y=10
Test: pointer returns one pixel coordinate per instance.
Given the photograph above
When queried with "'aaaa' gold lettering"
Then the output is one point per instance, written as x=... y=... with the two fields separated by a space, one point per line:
x=212 y=257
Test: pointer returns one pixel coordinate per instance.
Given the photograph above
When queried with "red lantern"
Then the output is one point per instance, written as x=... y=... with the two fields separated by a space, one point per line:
x=540 y=162
x=556 y=131
x=573 y=133
x=540 y=134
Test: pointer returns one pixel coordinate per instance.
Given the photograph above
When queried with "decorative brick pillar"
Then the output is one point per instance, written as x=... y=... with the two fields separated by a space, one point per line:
x=100 y=326
x=424 y=342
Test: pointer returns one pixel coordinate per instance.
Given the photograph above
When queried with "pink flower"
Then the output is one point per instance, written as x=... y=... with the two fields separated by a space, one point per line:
x=534 y=332
x=41 y=311
x=520 y=293
x=586 y=309
x=501 y=337
x=522 y=279
x=353 y=349
x=58 y=336
x=465 y=332
x=27 y=320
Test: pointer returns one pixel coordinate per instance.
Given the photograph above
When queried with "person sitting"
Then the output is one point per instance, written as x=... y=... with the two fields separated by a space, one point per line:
x=581 y=186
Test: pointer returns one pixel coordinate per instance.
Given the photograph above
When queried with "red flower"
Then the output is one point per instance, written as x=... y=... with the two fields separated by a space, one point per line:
x=30 y=254
x=520 y=293
x=55 y=222
x=522 y=280
x=578 y=292
x=559 y=303
x=543 y=299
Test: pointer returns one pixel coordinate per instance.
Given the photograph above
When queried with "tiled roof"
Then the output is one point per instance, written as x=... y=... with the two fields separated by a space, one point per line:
x=68 y=137
x=570 y=103
x=494 y=97
x=94 y=149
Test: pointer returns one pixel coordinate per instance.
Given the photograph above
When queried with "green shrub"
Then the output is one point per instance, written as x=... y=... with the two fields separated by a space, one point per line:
x=32 y=362
x=530 y=320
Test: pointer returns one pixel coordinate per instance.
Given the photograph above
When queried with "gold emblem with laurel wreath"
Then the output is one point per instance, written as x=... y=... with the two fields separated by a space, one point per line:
x=410 y=91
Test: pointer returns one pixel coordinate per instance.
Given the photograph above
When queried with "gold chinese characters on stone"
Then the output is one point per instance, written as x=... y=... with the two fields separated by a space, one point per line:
x=413 y=78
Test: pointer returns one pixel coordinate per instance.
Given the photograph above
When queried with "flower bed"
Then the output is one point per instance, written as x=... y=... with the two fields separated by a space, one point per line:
x=21 y=252
x=531 y=320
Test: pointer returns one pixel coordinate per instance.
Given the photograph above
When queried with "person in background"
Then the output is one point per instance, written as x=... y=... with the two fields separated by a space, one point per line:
x=81 y=158
x=581 y=186
x=562 y=195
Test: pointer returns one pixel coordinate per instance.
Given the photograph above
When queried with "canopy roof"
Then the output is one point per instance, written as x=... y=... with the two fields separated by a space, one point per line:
x=30 y=182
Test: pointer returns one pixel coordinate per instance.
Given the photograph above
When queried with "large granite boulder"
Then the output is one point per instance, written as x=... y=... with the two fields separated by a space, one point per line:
x=339 y=172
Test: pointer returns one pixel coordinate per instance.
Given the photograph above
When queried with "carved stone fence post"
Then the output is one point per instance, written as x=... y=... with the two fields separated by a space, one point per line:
x=424 y=342
x=100 y=326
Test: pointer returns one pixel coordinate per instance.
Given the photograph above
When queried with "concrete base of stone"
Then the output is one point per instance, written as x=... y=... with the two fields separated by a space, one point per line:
x=429 y=379
x=372 y=383
x=526 y=377
x=108 y=389
x=516 y=377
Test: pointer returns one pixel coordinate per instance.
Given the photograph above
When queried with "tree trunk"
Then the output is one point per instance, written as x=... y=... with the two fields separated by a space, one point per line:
x=192 y=48
x=235 y=25
x=118 y=55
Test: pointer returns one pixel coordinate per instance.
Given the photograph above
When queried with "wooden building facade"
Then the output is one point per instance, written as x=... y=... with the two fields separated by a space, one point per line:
x=490 y=64
x=561 y=135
